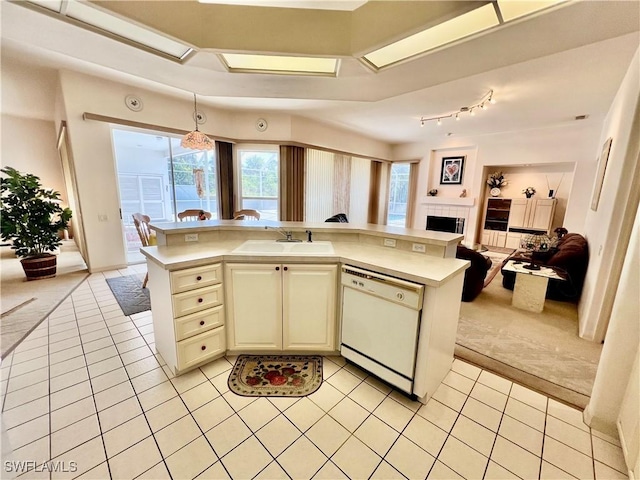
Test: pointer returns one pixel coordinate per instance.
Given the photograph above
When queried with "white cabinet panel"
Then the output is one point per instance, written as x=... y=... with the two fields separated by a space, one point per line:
x=281 y=307
x=309 y=293
x=254 y=306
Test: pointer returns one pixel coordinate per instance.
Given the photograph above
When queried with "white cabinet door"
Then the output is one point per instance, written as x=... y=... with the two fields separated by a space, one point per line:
x=518 y=213
x=309 y=304
x=543 y=214
x=254 y=306
x=500 y=239
x=513 y=240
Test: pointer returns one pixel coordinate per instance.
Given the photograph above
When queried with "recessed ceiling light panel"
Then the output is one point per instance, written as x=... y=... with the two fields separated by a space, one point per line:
x=455 y=29
x=246 y=63
x=55 y=5
x=512 y=9
x=127 y=30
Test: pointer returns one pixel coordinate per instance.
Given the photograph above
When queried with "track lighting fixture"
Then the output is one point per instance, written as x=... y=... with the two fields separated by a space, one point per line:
x=471 y=110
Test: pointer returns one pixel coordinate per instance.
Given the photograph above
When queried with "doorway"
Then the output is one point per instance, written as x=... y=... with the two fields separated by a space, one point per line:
x=159 y=178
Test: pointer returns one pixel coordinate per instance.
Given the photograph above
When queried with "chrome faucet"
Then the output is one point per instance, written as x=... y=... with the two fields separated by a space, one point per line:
x=309 y=233
x=287 y=234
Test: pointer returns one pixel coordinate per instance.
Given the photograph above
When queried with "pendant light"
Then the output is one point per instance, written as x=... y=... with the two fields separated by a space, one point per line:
x=196 y=140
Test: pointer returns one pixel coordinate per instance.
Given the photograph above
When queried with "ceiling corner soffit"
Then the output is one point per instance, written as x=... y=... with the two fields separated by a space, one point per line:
x=289 y=31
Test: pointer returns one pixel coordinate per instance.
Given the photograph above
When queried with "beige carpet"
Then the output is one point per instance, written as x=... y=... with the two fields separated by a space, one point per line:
x=25 y=304
x=541 y=350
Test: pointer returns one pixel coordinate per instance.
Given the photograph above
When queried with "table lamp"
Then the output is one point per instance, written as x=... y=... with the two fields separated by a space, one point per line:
x=535 y=243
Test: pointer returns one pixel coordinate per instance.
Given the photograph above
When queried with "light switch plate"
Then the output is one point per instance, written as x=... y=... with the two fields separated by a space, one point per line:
x=191 y=237
x=389 y=242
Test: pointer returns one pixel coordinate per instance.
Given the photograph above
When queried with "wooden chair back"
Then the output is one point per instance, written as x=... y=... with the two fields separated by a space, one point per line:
x=141 y=222
x=246 y=215
x=193 y=215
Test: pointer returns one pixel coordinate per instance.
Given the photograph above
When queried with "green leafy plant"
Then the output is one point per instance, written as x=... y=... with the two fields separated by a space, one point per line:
x=31 y=215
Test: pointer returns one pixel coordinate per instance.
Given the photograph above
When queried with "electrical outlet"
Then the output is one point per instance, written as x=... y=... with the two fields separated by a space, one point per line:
x=418 y=247
x=191 y=237
x=102 y=217
x=389 y=242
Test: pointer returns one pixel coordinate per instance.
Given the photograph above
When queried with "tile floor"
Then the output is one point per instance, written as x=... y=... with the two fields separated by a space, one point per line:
x=85 y=396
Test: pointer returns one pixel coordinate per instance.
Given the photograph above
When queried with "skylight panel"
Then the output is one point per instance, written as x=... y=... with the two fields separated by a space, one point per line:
x=55 y=5
x=512 y=9
x=455 y=29
x=125 y=29
x=245 y=63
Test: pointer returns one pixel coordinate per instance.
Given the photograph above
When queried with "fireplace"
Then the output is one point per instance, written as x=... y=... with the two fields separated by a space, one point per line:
x=445 y=224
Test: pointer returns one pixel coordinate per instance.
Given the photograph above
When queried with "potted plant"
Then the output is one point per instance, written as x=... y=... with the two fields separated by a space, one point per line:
x=496 y=180
x=529 y=192
x=31 y=219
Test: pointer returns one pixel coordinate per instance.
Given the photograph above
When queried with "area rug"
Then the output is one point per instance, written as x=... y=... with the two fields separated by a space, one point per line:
x=129 y=293
x=276 y=375
x=539 y=350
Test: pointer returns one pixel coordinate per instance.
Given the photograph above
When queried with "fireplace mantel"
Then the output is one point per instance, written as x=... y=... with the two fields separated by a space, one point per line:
x=458 y=201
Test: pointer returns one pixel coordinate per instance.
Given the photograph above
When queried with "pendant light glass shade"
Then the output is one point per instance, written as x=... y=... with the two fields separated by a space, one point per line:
x=197 y=140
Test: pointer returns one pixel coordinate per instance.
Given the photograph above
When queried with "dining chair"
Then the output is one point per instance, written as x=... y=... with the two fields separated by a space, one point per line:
x=246 y=214
x=141 y=222
x=193 y=215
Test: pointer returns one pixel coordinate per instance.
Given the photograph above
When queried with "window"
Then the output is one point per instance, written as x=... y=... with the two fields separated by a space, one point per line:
x=398 y=194
x=159 y=178
x=259 y=181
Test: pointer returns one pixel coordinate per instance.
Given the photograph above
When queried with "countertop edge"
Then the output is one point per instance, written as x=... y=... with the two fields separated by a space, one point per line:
x=195 y=258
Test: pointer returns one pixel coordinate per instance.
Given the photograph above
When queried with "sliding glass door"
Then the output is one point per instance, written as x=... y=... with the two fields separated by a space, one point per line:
x=159 y=178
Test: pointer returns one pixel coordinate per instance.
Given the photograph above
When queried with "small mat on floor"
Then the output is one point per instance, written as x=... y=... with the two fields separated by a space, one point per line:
x=276 y=375
x=129 y=293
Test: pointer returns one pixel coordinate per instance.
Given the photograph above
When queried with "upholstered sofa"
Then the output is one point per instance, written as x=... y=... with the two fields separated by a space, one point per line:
x=569 y=258
x=474 y=275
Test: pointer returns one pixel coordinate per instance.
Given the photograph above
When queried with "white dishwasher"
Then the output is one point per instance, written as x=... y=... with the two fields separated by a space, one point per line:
x=380 y=324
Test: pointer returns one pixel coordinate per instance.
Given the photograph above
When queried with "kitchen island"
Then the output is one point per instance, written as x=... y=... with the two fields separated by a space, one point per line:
x=210 y=297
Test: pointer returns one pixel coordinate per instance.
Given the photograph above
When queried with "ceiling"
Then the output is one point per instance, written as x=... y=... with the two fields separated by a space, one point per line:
x=544 y=69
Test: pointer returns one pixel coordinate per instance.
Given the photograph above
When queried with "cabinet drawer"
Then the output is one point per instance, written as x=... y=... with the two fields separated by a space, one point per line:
x=200 y=322
x=190 y=278
x=197 y=300
x=195 y=350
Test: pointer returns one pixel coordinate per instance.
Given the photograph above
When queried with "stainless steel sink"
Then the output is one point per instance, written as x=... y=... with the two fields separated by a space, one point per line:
x=271 y=247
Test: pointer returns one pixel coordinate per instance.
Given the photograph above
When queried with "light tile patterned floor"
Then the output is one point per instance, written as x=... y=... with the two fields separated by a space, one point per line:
x=85 y=392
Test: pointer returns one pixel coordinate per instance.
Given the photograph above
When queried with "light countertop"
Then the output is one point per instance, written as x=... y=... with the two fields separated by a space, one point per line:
x=416 y=267
x=434 y=238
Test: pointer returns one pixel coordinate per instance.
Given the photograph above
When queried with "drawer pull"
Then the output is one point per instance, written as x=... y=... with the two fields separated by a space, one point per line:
x=201 y=322
x=203 y=347
x=277 y=268
x=200 y=300
x=199 y=277
x=286 y=268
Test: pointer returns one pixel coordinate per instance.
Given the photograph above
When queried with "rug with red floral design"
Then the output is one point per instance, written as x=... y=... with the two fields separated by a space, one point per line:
x=276 y=375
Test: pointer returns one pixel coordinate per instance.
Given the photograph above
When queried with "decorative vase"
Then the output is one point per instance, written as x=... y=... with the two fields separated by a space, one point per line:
x=528 y=195
x=36 y=268
x=495 y=191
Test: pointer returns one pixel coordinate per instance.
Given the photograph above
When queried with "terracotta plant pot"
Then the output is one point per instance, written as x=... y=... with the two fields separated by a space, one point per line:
x=36 y=268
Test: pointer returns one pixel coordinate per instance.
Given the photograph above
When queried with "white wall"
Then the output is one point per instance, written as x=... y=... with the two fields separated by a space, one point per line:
x=623 y=342
x=573 y=145
x=608 y=228
x=29 y=145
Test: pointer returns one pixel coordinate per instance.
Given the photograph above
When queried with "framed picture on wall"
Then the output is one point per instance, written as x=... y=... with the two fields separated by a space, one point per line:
x=451 y=172
x=602 y=167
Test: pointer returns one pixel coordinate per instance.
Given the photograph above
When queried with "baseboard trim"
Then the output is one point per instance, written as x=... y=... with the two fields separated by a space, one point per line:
x=557 y=392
